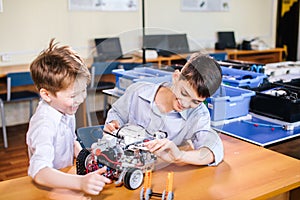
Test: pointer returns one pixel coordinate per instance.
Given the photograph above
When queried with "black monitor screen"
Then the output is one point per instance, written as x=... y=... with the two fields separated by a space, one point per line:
x=227 y=39
x=156 y=42
x=108 y=48
x=178 y=43
x=167 y=44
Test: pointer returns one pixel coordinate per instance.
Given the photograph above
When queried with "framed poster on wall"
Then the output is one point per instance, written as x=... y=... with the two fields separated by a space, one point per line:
x=103 y=5
x=205 y=5
x=1 y=6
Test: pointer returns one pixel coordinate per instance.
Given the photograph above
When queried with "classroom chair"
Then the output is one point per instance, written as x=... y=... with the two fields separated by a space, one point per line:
x=13 y=80
x=97 y=85
x=89 y=135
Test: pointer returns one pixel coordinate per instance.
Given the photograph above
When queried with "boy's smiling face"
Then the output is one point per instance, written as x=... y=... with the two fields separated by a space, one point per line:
x=67 y=101
x=186 y=96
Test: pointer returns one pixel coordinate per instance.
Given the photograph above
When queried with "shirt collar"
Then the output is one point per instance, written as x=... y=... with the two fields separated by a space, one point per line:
x=149 y=96
x=150 y=93
x=55 y=115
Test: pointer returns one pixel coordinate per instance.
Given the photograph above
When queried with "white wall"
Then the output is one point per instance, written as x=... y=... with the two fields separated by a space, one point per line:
x=27 y=26
x=247 y=18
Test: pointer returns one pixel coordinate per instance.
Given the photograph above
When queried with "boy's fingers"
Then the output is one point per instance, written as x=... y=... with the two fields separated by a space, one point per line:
x=116 y=124
x=111 y=126
x=108 y=128
x=150 y=144
x=154 y=145
x=101 y=170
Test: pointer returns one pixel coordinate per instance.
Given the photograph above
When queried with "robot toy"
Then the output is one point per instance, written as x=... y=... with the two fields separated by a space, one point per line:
x=123 y=153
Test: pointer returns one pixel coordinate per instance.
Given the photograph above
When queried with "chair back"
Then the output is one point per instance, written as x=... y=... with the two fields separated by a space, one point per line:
x=100 y=68
x=15 y=79
x=89 y=135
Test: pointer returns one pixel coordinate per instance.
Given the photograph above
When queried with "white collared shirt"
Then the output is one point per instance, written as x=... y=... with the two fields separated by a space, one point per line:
x=137 y=107
x=50 y=139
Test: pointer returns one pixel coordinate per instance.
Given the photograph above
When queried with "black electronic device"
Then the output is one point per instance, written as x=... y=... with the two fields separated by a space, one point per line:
x=226 y=39
x=167 y=44
x=158 y=43
x=109 y=49
x=178 y=43
x=246 y=44
x=277 y=100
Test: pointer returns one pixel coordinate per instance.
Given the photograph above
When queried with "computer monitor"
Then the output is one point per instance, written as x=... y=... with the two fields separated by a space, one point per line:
x=167 y=44
x=178 y=43
x=227 y=39
x=156 y=42
x=108 y=48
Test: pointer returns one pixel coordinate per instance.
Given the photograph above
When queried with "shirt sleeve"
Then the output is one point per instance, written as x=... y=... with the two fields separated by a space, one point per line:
x=211 y=140
x=41 y=149
x=121 y=108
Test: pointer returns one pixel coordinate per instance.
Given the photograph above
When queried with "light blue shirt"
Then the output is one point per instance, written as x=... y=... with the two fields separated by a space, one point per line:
x=50 y=139
x=137 y=107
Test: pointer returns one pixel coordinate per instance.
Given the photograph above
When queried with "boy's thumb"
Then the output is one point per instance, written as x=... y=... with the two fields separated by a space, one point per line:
x=101 y=170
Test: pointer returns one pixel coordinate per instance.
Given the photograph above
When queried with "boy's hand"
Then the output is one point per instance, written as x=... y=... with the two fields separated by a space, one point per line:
x=165 y=149
x=93 y=183
x=112 y=126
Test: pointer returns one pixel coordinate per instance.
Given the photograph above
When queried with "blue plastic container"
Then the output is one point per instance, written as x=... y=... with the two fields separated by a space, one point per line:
x=229 y=102
x=126 y=78
x=242 y=78
x=219 y=56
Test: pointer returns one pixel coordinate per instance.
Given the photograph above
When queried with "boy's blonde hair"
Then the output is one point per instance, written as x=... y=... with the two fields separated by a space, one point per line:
x=203 y=73
x=57 y=67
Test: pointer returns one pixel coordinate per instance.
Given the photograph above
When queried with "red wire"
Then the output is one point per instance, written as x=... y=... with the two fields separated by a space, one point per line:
x=114 y=162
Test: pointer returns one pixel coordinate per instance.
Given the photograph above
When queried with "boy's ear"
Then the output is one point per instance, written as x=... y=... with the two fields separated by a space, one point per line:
x=45 y=95
x=176 y=75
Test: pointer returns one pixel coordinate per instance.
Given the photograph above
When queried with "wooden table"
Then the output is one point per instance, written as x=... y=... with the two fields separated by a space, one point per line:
x=160 y=60
x=247 y=172
x=258 y=56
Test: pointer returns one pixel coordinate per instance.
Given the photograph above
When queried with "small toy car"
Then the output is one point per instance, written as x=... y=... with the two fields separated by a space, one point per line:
x=123 y=153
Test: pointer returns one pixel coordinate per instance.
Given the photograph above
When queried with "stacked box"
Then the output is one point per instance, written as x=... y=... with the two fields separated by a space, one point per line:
x=229 y=102
x=281 y=68
x=126 y=78
x=283 y=78
x=241 y=78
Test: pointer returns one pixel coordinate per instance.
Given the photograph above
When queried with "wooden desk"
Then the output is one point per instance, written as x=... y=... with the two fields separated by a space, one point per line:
x=257 y=56
x=247 y=172
x=160 y=60
x=260 y=56
x=13 y=67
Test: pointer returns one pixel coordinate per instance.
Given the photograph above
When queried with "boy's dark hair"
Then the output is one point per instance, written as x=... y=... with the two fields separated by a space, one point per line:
x=203 y=73
x=56 y=67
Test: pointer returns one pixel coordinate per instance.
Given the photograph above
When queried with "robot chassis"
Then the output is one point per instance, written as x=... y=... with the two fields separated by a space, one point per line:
x=123 y=153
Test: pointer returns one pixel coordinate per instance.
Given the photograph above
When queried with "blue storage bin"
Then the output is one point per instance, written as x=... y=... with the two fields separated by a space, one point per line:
x=229 y=102
x=126 y=78
x=132 y=65
x=219 y=56
x=242 y=78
